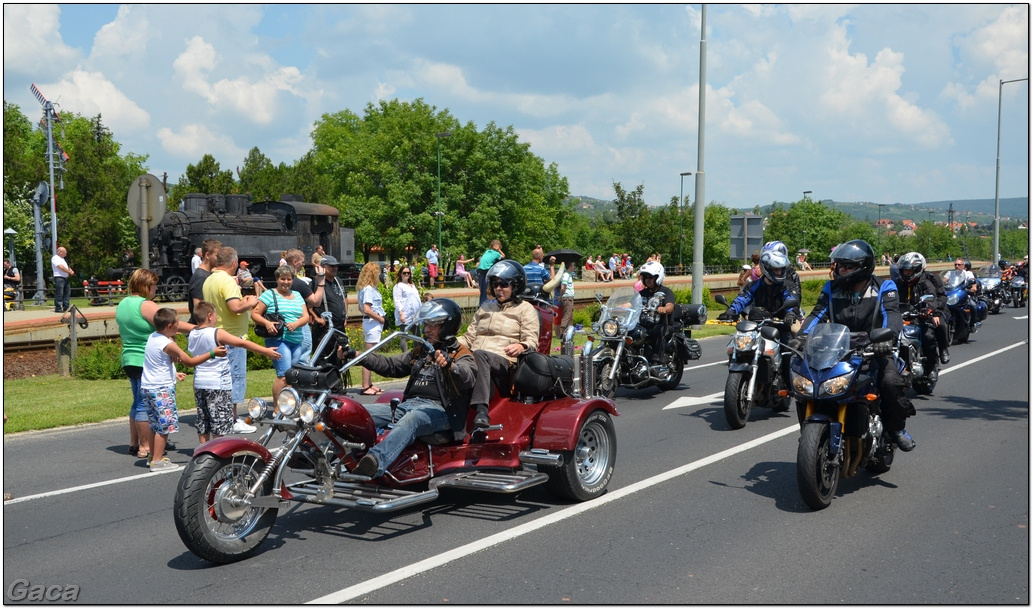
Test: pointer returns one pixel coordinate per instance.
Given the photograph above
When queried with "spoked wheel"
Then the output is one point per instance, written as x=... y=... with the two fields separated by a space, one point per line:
x=604 y=386
x=816 y=474
x=676 y=370
x=210 y=517
x=737 y=407
x=585 y=471
x=175 y=289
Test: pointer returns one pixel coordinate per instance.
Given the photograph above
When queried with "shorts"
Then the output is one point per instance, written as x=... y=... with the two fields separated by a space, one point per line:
x=161 y=409
x=371 y=330
x=290 y=354
x=138 y=410
x=215 y=412
x=433 y=269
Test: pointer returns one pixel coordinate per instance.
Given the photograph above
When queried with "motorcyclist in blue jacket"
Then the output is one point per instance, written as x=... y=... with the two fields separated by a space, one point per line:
x=862 y=302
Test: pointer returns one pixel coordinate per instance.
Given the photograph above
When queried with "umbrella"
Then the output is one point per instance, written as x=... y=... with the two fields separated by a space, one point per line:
x=803 y=251
x=564 y=256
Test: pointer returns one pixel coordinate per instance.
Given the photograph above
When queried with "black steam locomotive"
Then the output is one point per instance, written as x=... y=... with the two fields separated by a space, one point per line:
x=260 y=232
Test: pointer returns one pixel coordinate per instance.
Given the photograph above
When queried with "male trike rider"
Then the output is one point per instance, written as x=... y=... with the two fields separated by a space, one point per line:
x=437 y=397
x=857 y=299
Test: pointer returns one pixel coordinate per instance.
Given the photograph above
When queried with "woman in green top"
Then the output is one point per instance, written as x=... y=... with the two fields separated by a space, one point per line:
x=492 y=255
x=135 y=318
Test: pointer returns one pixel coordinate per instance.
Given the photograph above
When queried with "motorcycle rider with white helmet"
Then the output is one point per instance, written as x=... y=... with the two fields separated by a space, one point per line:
x=657 y=300
x=914 y=283
x=859 y=300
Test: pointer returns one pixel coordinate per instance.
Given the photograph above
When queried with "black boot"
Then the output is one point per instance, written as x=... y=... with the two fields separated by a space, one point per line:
x=367 y=466
x=945 y=356
x=481 y=420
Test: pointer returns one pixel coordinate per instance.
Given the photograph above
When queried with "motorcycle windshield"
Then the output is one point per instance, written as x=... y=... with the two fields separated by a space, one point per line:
x=990 y=271
x=826 y=345
x=1017 y=281
x=953 y=280
x=624 y=304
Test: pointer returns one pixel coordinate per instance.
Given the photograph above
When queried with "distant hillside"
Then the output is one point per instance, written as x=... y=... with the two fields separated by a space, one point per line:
x=973 y=210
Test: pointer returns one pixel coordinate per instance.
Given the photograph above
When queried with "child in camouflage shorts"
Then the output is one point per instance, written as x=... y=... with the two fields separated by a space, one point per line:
x=213 y=386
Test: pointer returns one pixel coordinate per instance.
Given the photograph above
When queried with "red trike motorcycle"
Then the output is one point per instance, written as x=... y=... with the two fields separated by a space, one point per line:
x=550 y=429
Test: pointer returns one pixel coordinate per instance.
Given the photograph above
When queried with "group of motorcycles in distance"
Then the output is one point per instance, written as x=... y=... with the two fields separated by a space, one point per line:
x=836 y=393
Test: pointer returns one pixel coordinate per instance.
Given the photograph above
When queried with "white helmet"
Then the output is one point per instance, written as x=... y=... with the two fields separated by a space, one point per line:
x=777 y=246
x=655 y=269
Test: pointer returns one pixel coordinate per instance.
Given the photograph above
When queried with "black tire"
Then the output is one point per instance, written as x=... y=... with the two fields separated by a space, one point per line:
x=586 y=470
x=737 y=408
x=603 y=385
x=672 y=382
x=961 y=332
x=208 y=524
x=815 y=475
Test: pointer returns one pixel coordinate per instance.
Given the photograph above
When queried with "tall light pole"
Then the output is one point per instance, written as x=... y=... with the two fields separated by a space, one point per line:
x=806 y=194
x=439 y=213
x=701 y=176
x=681 y=222
x=997 y=179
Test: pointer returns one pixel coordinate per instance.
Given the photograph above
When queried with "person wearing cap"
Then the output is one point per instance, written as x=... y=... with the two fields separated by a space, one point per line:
x=246 y=280
x=335 y=300
x=744 y=275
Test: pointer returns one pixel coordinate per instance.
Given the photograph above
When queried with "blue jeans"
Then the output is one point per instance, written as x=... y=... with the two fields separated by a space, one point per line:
x=238 y=371
x=62 y=293
x=416 y=417
x=138 y=411
x=482 y=280
x=290 y=354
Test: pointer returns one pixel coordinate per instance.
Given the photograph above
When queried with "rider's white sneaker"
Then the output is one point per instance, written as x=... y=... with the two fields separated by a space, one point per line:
x=239 y=426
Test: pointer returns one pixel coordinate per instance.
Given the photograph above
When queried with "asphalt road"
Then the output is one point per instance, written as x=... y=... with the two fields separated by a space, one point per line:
x=695 y=513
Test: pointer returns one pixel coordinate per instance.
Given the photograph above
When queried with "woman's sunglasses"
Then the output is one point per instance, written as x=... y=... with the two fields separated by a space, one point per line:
x=499 y=283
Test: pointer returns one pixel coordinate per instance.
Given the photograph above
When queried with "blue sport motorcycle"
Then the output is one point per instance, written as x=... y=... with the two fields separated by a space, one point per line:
x=966 y=313
x=837 y=400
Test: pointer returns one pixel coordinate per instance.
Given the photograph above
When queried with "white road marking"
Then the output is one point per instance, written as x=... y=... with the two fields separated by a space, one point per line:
x=717 y=363
x=982 y=357
x=689 y=400
x=89 y=486
x=422 y=566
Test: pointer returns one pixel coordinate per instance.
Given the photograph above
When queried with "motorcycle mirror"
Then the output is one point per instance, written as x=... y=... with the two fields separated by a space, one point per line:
x=769 y=332
x=720 y=299
x=926 y=297
x=599 y=297
x=881 y=335
x=789 y=304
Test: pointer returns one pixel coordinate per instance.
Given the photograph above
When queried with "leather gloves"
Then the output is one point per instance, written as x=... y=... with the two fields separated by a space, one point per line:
x=882 y=349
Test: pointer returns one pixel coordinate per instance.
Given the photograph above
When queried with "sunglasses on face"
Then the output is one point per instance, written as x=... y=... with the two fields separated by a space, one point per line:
x=958 y=266
x=406 y=273
x=499 y=283
x=847 y=266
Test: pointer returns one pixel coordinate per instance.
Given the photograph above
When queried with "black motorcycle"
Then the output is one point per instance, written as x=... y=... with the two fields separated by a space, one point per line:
x=620 y=347
x=918 y=348
x=991 y=290
x=755 y=366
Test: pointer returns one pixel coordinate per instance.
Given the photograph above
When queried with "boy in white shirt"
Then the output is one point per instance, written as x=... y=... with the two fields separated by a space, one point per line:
x=158 y=382
x=213 y=386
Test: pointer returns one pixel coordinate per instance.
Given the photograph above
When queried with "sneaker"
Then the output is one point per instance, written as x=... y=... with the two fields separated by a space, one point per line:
x=904 y=440
x=367 y=466
x=162 y=465
x=945 y=357
x=239 y=426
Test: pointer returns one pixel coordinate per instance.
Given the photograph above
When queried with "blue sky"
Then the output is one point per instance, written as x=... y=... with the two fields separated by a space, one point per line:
x=885 y=103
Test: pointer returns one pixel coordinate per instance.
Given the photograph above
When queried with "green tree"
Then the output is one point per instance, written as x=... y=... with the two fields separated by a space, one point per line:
x=808 y=224
x=207 y=177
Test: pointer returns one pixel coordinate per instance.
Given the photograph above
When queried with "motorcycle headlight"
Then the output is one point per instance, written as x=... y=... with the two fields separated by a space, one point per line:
x=257 y=408
x=835 y=386
x=802 y=385
x=308 y=412
x=745 y=341
x=287 y=402
x=611 y=327
x=952 y=300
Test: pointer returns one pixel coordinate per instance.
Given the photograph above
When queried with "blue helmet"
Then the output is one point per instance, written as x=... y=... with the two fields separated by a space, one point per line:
x=777 y=246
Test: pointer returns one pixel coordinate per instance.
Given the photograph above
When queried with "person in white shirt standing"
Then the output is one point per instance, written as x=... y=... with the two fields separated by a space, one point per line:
x=62 y=273
x=195 y=261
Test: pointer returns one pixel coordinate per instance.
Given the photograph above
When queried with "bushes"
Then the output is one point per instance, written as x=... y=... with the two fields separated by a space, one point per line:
x=99 y=361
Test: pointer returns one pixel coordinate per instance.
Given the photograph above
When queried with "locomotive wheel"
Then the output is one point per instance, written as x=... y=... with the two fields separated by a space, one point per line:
x=816 y=474
x=209 y=518
x=585 y=471
x=175 y=289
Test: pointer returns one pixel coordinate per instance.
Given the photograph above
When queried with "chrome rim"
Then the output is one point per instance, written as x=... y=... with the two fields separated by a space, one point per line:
x=592 y=455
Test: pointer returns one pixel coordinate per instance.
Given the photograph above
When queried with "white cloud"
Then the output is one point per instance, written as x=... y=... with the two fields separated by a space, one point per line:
x=90 y=93
x=126 y=36
x=1001 y=46
x=33 y=43
x=194 y=140
x=559 y=139
x=193 y=65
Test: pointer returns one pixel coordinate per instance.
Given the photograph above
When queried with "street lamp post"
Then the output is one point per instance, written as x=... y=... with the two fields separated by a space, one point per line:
x=439 y=213
x=10 y=232
x=997 y=179
x=681 y=222
x=806 y=194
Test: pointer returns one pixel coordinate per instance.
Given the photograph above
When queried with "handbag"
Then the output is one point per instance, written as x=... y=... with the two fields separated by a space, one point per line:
x=276 y=318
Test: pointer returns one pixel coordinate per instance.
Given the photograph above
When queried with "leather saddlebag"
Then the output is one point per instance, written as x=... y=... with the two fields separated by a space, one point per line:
x=538 y=375
x=304 y=377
